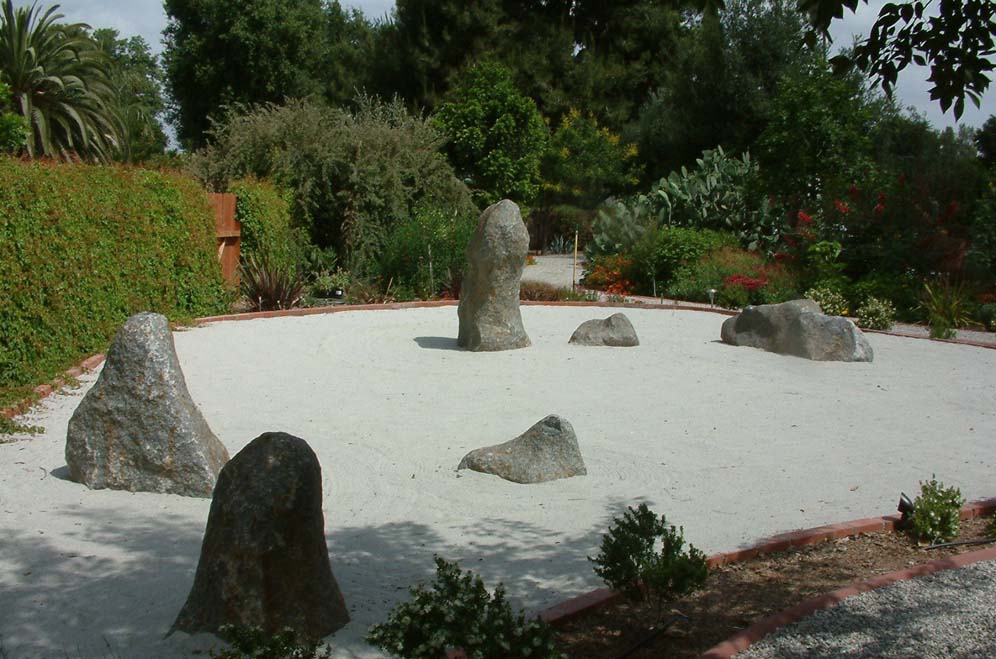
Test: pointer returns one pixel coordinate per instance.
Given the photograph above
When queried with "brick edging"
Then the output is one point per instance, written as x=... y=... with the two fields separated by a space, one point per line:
x=744 y=639
x=585 y=603
x=44 y=390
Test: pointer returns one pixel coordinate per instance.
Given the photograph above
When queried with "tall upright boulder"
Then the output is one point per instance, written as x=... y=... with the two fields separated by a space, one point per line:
x=798 y=328
x=489 y=314
x=264 y=562
x=138 y=429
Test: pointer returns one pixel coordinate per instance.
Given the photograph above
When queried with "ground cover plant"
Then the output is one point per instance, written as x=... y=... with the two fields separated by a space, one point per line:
x=935 y=516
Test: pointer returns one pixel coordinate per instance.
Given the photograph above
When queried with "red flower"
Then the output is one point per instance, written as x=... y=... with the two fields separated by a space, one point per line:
x=879 y=208
x=853 y=191
x=804 y=217
x=841 y=206
x=750 y=284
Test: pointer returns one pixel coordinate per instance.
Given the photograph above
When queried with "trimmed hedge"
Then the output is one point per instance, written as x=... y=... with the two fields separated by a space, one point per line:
x=84 y=247
x=264 y=214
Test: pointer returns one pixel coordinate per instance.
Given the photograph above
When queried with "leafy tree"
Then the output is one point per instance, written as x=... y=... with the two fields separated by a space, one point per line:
x=13 y=128
x=497 y=136
x=59 y=79
x=225 y=52
x=985 y=140
x=137 y=81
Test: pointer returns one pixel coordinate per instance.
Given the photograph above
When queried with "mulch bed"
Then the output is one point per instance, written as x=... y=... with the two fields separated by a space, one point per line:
x=738 y=595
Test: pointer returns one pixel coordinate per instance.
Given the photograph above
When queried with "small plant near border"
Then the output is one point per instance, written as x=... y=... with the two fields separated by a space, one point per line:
x=991 y=526
x=876 y=314
x=630 y=562
x=254 y=643
x=459 y=612
x=831 y=302
x=11 y=427
x=936 y=512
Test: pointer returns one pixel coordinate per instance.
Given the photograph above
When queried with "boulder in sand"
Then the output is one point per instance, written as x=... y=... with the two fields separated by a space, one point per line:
x=798 y=328
x=615 y=331
x=489 y=314
x=138 y=429
x=264 y=562
x=547 y=451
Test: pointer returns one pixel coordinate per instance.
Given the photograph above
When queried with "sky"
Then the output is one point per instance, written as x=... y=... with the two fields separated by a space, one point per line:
x=147 y=18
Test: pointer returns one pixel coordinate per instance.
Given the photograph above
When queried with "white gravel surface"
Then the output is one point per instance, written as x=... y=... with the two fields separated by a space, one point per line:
x=735 y=444
x=945 y=615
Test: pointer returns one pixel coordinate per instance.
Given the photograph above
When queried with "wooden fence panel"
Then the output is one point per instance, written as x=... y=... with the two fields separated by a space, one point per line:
x=229 y=232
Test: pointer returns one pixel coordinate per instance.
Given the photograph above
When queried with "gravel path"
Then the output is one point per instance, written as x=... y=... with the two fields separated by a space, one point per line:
x=946 y=614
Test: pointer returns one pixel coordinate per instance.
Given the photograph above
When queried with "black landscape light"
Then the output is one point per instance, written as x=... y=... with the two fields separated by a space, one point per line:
x=905 y=506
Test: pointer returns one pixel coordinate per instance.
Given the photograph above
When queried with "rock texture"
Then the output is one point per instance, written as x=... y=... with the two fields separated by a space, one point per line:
x=489 y=297
x=616 y=331
x=798 y=328
x=138 y=429
x=264 y=561
x=547 y=451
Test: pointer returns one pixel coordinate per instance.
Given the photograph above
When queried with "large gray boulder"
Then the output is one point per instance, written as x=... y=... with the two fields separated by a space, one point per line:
x=798 y=328
x=547 y=451
x=489 y=297
x=264 y=562
x=138 y=429
x=615 y=331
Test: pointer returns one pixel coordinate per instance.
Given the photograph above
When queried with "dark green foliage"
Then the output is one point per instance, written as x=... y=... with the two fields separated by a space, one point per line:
x=426 y=252
x=987 y=316
x=739 y=278
x=985 y=141
x=264 y=214
x=85 y=247
x=13 y=128
x=352 y=175
x=254 y=643
x=630 y=562
x=269 y=285
x=459 y=611
x=936 y=512
x=670 y=252
x=496 y=135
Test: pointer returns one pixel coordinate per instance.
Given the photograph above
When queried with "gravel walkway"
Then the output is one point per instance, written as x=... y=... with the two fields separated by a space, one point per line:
x=946 y=614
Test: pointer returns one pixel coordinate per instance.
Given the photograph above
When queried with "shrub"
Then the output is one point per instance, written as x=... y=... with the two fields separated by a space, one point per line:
x=427 y=251
x=991 y=526
x=83 y=248
x=945 y=307
x=739 y=278
x=876 y=314
x=831 y=302
x=610 y=274
x=664 y=255
x=268 y=285
x=264 y=213
x=629 y=561
x=458 y=611
x=936 y=512
x=987 y=316
x=535 y=291
x=254 y=643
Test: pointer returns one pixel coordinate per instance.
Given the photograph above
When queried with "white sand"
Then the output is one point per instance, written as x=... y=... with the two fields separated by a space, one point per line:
x=734 y=444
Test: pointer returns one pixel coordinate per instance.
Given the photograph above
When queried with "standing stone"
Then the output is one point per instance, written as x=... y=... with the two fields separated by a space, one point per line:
x=547 y=451
x=798 y=328
x=615 y=331
x=138 y=429
x=264 y=562
x=489 y=298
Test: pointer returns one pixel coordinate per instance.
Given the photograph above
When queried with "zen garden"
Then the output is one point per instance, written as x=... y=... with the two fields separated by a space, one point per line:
x=498 y=329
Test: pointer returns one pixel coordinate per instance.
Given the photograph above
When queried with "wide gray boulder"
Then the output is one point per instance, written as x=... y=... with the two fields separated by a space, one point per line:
x=547 y=451
x=798 y=328
x=264 y=562
x=489 y=296
x=615 y=331
x=138 y=429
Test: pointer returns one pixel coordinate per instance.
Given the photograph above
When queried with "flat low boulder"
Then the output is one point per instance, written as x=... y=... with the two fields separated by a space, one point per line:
x=798 y=328
x=489 y=315
x=547 y=451
x=264 y=562
x=615 y=331
x=137 y=428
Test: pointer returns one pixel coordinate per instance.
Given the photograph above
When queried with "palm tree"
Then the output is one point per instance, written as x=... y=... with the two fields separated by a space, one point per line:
x=59 y=81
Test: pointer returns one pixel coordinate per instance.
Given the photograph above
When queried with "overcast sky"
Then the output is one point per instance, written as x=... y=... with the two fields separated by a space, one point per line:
x=146 y=18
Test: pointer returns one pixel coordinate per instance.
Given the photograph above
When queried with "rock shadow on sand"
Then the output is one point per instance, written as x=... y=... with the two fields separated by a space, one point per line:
x=437 y=343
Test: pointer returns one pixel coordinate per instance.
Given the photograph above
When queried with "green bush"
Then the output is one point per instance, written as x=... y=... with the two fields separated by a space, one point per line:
x=739 y=278
x=459 y=611
x=630 y=562
x=936 y=512
x=665 y=255
x=427 y=251
x=945 y=307
x=254 y=643
x=876 y=314
x=264 y=214
x=831 y=302
x=85 y=247
x=987 y=316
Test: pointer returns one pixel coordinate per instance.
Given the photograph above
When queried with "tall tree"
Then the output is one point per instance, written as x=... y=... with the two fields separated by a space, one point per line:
x=60 y=83
x=225 y=52
x=137 y=81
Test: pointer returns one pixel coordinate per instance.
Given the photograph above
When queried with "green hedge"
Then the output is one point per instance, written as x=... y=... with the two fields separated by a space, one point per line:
x=84 y=247
x=263 y=211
